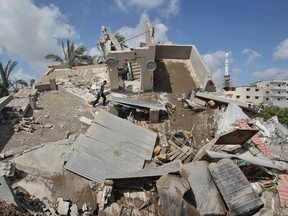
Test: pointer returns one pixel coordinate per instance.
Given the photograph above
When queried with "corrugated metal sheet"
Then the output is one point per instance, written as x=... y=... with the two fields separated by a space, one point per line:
x=6 y=193
x=173 y=166
x=111 y=144
x=137 y=103
x=124 y=127
x=90 y=167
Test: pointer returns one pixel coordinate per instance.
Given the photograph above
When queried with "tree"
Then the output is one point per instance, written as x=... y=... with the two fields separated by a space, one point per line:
x=72 y=55
x=20 y=82
x=121 y=39
x=5 y=72
x=270 y=111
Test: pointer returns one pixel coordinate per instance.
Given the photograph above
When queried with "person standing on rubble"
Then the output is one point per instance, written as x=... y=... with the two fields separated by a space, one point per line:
x=100 y=93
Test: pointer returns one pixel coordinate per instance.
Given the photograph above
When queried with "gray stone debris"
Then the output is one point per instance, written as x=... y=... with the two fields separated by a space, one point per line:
x=62 y=206
x=26 y=124
x=48 y=125
x=74 y=210
x=7 y=169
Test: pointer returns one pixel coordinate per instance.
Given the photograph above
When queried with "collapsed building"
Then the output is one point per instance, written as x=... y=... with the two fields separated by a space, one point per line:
x=166 y=143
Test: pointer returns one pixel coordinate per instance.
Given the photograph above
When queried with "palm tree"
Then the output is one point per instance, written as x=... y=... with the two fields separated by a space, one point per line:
x=5 y=72
x=20 y=82
x=121 y=39
x=72 y=55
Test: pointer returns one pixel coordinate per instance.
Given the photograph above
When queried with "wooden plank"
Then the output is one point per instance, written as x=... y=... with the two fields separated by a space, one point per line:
x=184 y=150
x=175 y=155
x=186 y=155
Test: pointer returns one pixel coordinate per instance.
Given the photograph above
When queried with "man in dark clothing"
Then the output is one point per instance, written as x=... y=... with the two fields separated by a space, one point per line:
x=100 y=93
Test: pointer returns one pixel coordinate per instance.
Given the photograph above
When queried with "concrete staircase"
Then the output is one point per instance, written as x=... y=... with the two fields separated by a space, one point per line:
x=136 y=70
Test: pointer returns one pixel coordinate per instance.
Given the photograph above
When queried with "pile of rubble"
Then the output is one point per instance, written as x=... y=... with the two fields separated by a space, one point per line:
x=134 y=170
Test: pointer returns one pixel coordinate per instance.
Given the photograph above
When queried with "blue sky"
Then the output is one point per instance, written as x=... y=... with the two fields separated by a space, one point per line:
x=254 y=32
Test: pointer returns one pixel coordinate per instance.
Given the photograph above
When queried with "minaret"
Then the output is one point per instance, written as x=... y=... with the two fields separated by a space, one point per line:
x=226 y=81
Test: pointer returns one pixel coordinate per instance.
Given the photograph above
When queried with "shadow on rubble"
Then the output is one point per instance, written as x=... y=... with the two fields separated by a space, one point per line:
x=162 y=78
x=133 y=114
x=26 y=202
x=6 y=132
x=7 y=127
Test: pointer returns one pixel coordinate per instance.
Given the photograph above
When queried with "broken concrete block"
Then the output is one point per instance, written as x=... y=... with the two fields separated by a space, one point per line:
x=74 y=210
x=157 y=150
x=48 y=125
x=62 y=206
x=86 y=120
x=211 y=103
x=7 y=169
x=85 y=207
x=163 y=157
x=67 y=134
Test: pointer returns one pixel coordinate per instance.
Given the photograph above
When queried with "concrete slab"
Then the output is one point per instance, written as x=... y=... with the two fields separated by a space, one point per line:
x=4 y=101
x=47 y=160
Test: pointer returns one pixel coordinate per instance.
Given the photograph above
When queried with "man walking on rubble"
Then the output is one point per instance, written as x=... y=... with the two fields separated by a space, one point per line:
x=100 y=93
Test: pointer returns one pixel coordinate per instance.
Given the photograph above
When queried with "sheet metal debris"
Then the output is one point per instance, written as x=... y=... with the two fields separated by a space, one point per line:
x=266 y=162
x=111 y=144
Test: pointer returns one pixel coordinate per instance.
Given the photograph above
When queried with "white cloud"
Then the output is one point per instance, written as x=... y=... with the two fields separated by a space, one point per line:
x=215 y=63
x=281 y=52
x=252 y=54
x=129 y=32
x=30 y=32
x=20 y=74
x=236 y=74
x=271 y=73
x=166 y=7
x=173 y=8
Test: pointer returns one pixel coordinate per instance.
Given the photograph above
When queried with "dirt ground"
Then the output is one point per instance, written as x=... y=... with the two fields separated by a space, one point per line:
x=175 y=78
x=10 y=210
x=59 y=108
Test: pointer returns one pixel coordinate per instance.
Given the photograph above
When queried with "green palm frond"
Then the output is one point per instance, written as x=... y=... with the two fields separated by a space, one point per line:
x=72 y=54
x=5 y=72
x=54 y=58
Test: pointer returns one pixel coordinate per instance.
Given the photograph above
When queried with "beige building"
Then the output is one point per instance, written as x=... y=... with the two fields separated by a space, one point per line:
x=274 y=92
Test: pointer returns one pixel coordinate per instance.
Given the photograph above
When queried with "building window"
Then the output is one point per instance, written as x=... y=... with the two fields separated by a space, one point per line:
x=257 y=90
x=267 y=99
x=237 y=96
x=247 y=97
x=256 y=97
x=279 y=85
x=279 y=92
x=267 y=92
x=247 y=89
x=278 y=98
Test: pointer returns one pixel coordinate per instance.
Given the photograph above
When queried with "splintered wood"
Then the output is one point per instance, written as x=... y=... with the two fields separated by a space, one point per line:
x=184 y=154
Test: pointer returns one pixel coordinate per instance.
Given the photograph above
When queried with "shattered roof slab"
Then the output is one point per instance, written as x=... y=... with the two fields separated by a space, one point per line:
x=137 y=103
x=111 y=143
